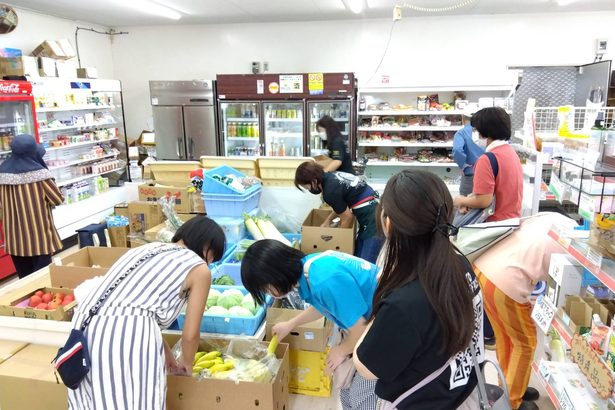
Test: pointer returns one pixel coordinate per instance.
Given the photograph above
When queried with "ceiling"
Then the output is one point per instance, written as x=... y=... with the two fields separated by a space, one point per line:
x=117 y=13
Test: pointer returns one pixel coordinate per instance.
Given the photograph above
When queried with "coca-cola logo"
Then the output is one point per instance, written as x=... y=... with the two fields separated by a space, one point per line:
x=9 y=88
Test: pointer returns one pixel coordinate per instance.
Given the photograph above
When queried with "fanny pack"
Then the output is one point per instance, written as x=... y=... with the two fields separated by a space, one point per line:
x=73 y=361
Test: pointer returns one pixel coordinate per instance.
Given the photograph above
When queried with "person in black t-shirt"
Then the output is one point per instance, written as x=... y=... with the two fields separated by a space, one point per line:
x=350 y=197
x=336 y=144
x=428 y=306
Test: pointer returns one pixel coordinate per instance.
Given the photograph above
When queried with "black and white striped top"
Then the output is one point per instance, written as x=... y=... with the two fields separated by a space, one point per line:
x=153 y=289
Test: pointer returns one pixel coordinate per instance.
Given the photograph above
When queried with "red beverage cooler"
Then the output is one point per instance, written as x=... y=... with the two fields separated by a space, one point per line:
x=17 y=116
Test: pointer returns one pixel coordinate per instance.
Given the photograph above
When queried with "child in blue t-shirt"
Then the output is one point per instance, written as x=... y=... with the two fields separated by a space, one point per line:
x=336 y=285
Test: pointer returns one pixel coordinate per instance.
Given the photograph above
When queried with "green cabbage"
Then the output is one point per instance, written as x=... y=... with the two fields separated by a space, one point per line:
x=227 y=301
x=217 y=310
x=212 y=299
x=248 y=303
x=240 y=312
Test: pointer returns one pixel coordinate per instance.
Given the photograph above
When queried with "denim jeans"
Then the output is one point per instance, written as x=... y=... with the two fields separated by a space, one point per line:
x=368 y=248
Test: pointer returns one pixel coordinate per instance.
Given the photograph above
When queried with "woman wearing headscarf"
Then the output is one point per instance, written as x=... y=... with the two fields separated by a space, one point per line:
x=27 y=195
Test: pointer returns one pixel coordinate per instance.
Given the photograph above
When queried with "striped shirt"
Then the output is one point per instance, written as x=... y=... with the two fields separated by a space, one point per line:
x=26 y=218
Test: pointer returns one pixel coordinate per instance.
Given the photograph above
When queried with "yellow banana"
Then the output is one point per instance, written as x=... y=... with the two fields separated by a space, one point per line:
x=197 y=369
x=218 y=360
x=221 y=367
x=198 y=355
x=212 y=355
x=205 y=364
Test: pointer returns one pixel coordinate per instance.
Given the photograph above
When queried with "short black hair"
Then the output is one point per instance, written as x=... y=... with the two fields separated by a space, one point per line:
x=269 y=263
x=493 y=123
x=199 y=233
x=307 y=172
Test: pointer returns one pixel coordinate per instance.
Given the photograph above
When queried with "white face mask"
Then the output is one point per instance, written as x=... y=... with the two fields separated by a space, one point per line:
x=481 y=142
x=322 y=135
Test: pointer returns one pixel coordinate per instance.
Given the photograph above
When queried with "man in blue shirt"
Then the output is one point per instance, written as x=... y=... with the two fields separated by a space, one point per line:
x=338 y=286
x=465 y=154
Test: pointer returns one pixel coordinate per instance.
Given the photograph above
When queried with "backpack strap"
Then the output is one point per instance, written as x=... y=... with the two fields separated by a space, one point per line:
x=494 y=163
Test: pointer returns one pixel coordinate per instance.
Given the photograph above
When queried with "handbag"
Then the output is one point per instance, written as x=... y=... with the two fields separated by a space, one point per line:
x=491 y=397
x=345 y=372
x=73 y=360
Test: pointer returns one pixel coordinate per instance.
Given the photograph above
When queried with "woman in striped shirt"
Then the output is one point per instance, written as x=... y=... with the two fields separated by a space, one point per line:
x=27 y=194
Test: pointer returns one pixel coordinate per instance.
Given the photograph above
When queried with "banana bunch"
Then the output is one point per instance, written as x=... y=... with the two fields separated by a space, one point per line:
x=204 y=360
x=246 y=370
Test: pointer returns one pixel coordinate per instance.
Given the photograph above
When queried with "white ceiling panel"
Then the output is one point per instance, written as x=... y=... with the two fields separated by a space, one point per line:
x=116 y=13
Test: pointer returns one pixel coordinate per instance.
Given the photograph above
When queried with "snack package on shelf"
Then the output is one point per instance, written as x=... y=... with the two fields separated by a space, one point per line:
x=599 y=335
x=610 y=346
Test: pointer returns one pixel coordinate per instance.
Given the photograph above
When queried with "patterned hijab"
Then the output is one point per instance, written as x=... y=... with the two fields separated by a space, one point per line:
x=26 y=164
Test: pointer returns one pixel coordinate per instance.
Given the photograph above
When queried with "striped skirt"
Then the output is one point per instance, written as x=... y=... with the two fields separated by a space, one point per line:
x=128 y=365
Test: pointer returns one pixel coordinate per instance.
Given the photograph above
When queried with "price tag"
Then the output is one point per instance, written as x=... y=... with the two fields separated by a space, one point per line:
x=594 y=258
x=565 y=242
x=543 y=313
x=564 y=401
x=544 y=370
x=592 y=366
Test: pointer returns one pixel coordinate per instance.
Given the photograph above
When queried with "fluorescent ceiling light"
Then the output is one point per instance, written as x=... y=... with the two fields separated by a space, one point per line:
x=356 y=6
x=151 y=7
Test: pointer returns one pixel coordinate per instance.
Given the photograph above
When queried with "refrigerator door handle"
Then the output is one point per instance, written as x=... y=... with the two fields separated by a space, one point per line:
x=177 y=151
x=191 y=148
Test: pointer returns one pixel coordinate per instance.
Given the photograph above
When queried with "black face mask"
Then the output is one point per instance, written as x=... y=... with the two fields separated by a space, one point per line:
x=315 y=191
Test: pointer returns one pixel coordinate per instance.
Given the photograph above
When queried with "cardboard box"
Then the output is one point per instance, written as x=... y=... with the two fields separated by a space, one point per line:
x=173 y=173
x=10 y=52
x=598 y=309
x=143 y=216
x=119 y=236
x=308 y=373
x=87 y=72
x=71 y=271
x=58 y=49
x=187 y=393
x=66 y=69
x=62 y=313
x=121 y=209
x=313 y=337
x=28 y=381
x=566 y=274
x=19 y=66
x=185 y=202
x=151 y=235
x=322 y=160
x=47 y=67
x=316 y=239
x=9 y=348
x=577 y=314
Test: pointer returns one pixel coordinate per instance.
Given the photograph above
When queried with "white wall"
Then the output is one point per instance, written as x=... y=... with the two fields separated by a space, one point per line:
x=466 y=50
x=34 y=28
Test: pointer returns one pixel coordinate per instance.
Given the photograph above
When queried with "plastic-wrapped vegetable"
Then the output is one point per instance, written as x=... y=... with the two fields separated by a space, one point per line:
x=224 y=280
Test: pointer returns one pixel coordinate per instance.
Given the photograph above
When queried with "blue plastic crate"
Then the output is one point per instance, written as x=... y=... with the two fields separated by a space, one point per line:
x=219 y=205
x=234 y=228
x=213 y=186
x=231 y=267
x=230 y=325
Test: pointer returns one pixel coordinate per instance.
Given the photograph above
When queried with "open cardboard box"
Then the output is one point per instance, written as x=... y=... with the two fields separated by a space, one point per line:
x=577 y=314
x=185 y=201
x=316 y=239
x=151 y=235
x=9 y=348
x=72 y=270
x=313 y=337
x=187 y=393
x=143 y=216
x=27 y=381
x=61 y=313
x=173 y=173
x=322 y=160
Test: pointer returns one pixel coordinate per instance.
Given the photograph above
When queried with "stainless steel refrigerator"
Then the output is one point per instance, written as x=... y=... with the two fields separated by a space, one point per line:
x=184 y=119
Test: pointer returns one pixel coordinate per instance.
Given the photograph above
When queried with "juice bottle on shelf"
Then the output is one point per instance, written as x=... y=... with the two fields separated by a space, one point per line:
x=250 y=130
x=256 y=131
x=230 y=130
x=282 y=149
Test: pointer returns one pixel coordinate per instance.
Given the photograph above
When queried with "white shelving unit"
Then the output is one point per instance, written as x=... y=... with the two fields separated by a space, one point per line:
x=380 y=112
x=85 y=127
x=80 y=144
x=84 y=177
x=75 y=108
x=83 y=161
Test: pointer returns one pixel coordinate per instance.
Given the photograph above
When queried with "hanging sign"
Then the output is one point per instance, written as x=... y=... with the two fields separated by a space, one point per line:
x=543 y=313
x=592 y=366
x=316 y=83
x=291 y=83
x=260 y=87
x=274 y=88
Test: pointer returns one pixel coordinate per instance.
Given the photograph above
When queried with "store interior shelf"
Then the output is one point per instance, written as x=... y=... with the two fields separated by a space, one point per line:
x=406 y=144
x=412 y=128
x=78 y=127
x=564 y=331
x=411 y=112
x=84 y=177
x=284 y=119
x=242 y=119
x=547 y=386
x=336 y=119
x=285 y=134
x=75 y=108
x=410 y=164
x=255 y=139
x=434 y=89
x=82 y=161
x=601 y=267
x=79 y=144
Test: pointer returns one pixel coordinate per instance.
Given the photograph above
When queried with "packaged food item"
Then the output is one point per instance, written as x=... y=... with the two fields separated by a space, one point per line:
x=422 y=103
x=599 y=335
x=610 y=347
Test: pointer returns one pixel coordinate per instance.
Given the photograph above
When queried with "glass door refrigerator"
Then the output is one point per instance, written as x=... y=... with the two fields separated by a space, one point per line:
x=17 y=116
x=239 y=125
x=285 y=107
x=340 y=111
x=284 y=129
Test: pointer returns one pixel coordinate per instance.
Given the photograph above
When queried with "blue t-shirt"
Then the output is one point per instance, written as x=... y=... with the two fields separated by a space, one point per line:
x=341 y=287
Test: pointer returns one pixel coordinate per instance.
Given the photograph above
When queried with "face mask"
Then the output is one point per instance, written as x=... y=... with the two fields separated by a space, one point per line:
x=322 y=135
x=481 y=142
x=315 y=191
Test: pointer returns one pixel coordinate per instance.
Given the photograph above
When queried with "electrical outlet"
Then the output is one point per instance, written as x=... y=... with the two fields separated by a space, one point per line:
x=397 y=13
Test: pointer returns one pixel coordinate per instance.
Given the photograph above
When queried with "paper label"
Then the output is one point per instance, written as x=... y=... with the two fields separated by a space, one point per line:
x=308 y=335
x=385 y=79
x=564 y=401
x=260 y=87
x=154 y=101
x=316 y=84
x=594 y=258
x=592 y=366
x=290 y=84
x=543 y=313
x=544 y=370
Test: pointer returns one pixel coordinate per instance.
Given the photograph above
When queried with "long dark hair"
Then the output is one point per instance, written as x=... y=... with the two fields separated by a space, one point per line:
x=419 y=207
x=331 y=128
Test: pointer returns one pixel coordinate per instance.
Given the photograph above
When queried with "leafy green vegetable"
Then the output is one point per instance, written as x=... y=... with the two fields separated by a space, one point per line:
x=224 y=280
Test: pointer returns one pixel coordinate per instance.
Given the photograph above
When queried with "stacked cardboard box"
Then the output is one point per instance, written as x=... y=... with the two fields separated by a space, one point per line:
x=316 y=239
